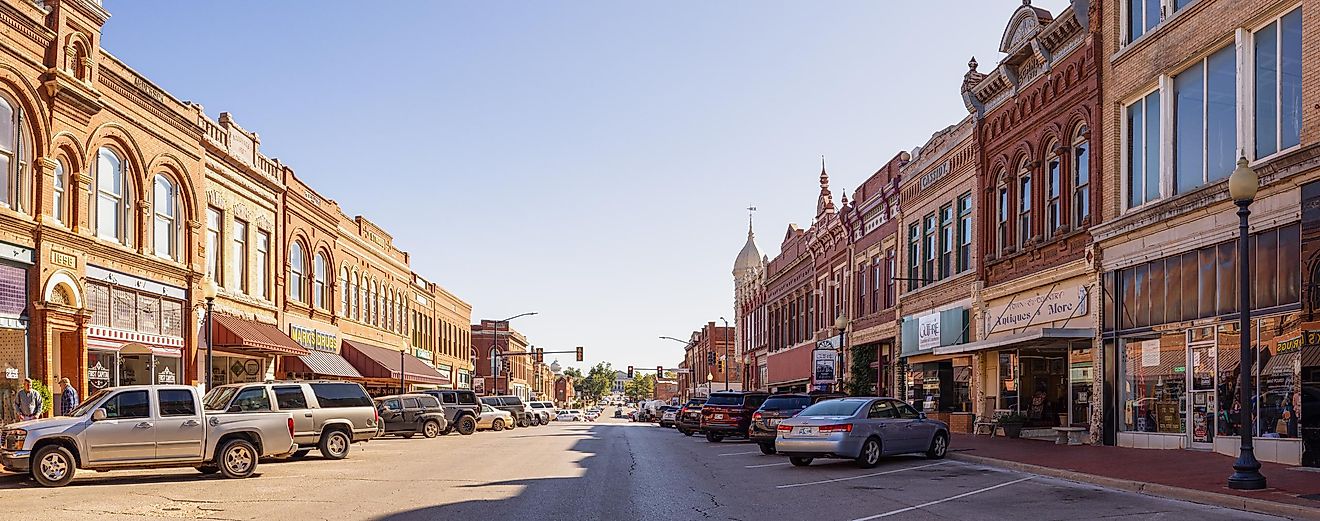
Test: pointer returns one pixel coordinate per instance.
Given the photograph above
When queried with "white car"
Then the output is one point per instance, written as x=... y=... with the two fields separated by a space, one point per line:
x=494 y=419
x=546 y=410
x=570 y=415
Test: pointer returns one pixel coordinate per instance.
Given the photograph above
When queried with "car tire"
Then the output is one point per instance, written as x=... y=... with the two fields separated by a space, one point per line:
x=522 y=421
x=299 y=454
x=334 y=444
x=53 y=466
x=799 y=462
x=689 y=432
x=431 y=429
x=768 y=449
x=714 y=438
x=939 y=446
x=869 y=456
x=467 y=425
x=237 y=459
x=497 y=425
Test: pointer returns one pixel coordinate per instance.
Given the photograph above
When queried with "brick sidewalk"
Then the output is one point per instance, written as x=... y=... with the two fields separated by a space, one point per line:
x=1201 y=474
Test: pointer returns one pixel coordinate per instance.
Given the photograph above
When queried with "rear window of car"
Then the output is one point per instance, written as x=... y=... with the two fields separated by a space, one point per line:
x=779 y=403
x=290 y=397
x=176 y=402
x=467 y=398
x=429 y=401
x=833 y=408
x=511 y=400
x=725 y=399
x=491 y=401
x=341 y=395
x=448 y=398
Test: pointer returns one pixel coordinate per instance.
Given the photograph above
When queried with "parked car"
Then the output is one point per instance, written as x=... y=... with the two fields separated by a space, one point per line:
x=461 y=409
x=668 y=416
x=729 y=413
x=775 y=409
x=513 y=404
x=544 y=411
x=689 y=417
x=410 y=414
x=327 y=415
x=591 y=415
x=494 y=419
x=145 y=426
x=862 y=429
x=571 y=415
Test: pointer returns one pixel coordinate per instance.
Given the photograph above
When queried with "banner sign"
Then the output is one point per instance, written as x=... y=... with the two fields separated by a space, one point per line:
x=823 y=363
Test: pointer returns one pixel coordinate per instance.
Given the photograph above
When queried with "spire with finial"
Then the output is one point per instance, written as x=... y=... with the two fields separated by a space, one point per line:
x=824 y=203
x=971 y=79
x=750 y=209
x=843 y=198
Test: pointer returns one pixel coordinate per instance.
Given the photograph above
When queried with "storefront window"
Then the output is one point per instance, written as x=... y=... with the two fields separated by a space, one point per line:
x=1154 y=383
x=1008 y=384
x=101 y=370
x=1278 y=344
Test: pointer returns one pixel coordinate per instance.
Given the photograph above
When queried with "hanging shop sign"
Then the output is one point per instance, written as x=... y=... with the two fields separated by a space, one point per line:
x=834 y=342
x=824 y=363
x=479 y=385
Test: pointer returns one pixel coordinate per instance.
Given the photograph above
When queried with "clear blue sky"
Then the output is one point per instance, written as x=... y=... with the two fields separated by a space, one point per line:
x=590 y=160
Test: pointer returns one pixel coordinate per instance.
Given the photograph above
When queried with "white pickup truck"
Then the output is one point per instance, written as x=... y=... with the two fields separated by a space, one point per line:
x=144 y=426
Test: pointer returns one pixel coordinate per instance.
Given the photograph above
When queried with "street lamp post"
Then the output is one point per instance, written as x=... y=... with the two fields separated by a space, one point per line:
x=841 y=324
x=208 y=292
x=727 y=343
x=1242 y=186
x=495 y=342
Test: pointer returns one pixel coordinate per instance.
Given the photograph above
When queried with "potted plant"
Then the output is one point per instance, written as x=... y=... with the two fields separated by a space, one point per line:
x=1012 y=423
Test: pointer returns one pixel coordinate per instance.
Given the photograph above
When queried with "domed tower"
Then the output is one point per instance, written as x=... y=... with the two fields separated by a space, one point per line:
x=748 y=284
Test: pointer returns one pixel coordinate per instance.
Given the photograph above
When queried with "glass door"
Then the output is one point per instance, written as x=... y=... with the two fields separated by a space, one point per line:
x=1201 y=399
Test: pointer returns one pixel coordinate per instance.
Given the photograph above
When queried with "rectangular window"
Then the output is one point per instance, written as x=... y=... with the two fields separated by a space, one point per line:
x=891 y=269
x=879 y=280
x=1277 y=88
x=914 y=255
x=1003 y=218
x=860 y=289
x=928 y=266
x=1081 y=182
x=1143 y=150
x=213 y=257
x=1024 y=209
x=965 y=232
x=1053 y=191
x=263 y=261
x=946 y=241
x=240 y=256
x=1142 y=16
x=1205 y=121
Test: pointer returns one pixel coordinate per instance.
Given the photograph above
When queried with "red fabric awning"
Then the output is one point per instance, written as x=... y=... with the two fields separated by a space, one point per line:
x=234 y=332
x=383 y=362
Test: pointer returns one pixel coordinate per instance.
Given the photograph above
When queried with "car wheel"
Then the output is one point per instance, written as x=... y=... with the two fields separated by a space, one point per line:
x=498 y=425
x=938 y=446
x=237 y=459
x=467 y=425
x=522 y=421
x=431 y=429
x=799 y=462
x=870 y=455
x=334 y=444
x=768 y=449
x=714 y=438
x=53 y=466
x=299 y=454
x=689 y=432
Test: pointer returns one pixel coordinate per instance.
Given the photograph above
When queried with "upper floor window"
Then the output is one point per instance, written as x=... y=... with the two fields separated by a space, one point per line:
x=1143 y=150
x=1144 y=15
x=891 y=269
x=239 y=255
x=1053 y=191
x=1001 y=227
x=928 y=265
x=57 y=196
x=297 y=273
x=1024 y=204
x=1277 y=85
x=320 y=269
x=914 y=254
x=1081 y=176
x=946 y=241
x=165 y=207
x=964 y=232
x=343 y=291
x=213 y=245
x=263 y=263
x=1205 y=121
x=112 y=198
x=12 y=155
x=357 y=296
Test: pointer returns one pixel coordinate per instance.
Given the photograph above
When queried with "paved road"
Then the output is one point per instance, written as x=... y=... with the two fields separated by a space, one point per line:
x=609 y=470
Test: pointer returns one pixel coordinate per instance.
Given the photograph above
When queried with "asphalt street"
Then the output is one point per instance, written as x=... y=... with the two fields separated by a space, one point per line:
x=607 y=470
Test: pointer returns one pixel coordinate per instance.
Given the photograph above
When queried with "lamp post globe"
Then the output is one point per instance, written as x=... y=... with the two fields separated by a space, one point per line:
x=1242 y=186
x=1243 y=182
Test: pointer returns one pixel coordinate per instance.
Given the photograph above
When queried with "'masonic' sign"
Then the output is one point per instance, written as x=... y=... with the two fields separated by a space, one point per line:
x=1042 y=306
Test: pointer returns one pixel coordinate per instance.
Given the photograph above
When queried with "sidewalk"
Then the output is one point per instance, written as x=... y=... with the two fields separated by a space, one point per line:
x=1181 y=474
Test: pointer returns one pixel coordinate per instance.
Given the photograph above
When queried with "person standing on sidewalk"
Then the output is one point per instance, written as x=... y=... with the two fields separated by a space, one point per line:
x=68 y=397
x=28 y=404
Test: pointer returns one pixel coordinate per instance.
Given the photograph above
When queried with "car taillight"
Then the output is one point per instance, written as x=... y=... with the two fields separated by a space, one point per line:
x=290 y=427
x=376 y=412
x=783 y=428
x=756 y=416
x=842 y=427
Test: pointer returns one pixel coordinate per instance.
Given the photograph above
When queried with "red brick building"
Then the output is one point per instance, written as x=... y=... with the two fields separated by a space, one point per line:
x=564 y=393
x=489 y=337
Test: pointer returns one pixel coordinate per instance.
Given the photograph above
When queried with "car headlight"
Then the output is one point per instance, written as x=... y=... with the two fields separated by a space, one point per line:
x=13 y=439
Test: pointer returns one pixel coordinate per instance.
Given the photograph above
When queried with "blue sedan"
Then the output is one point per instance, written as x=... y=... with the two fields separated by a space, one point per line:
x=861 y=429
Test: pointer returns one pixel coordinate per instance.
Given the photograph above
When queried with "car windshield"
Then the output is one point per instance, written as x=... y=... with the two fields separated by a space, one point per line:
x=725 y=399
x=833 y=408
x=89 y=404
x=218 y=399
x=779 y=403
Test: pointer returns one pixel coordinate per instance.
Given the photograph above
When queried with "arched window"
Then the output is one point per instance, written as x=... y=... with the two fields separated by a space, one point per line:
x=319 y=296
x=1053 y=190
x=343 y=291
x=1024 y=203
x=1081 y=176
x=113 y=198
x=165 y=206
x=297 y=273
x=1003 y=211
x=13 y=160
x=357 y=296
x=375 y=303
x=57 y=200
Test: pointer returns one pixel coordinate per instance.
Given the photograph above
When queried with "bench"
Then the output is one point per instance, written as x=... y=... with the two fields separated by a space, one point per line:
x=991 y=422
x=1069 y=435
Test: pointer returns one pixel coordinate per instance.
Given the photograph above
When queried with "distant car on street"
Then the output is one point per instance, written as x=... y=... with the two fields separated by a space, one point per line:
x=522 y=416
x=543 y=410
x=493 y=419
x=862 y=429
x=411 y=414
x=689 y=417
x=668 y=416
x=461 y=409
x=777 y=408
x=571 y=415
x=729 y=413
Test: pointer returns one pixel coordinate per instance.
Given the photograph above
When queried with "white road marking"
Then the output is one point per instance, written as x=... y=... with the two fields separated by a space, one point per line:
x=741 y=453
x=936 y=502
x=822 y=482
x=765 y=465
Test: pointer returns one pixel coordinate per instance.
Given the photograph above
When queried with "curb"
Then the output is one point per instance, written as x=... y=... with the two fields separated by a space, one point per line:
x=1259 y=506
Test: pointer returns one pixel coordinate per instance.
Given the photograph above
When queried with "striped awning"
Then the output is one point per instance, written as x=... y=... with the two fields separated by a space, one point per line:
x=321 y=363
x=247 y=335
x=383 y=362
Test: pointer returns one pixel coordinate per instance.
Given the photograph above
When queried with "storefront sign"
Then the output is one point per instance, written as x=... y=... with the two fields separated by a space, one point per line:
x=423 y=354
x=824 y=362
x=479 y=385
x=930 y=177
x=1150 y=353
x=313 y=339
x=928 y=331
x=1290 y=346
x=1311 y=339
x=98 y=376
x=834 y=342
x=60 y=258
x=11 y=373
x=165 y=376
x=1045 y=305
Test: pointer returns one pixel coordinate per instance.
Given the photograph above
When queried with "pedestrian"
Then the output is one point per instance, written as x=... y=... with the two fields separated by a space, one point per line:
x=28 y=404
x=68 y=397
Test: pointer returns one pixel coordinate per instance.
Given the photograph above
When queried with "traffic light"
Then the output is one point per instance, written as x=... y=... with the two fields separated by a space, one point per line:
x=710 y=358
x=539 y=354
x=630 y=371
x=659 y=371
x=579 y=353
x=720 y=365
x=504 y=365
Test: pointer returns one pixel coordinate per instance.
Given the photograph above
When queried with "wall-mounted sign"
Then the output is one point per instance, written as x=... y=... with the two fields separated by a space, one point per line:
x=1044 y=305
x=929 y=178
x=928 y=331
x=98 y=376
x=11 y=373
x=479 y=385
x=313 y=339
x=166 y=376
x=824 y=363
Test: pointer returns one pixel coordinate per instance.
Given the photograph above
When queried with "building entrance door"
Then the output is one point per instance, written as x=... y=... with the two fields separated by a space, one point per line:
x=1201 y=400
x=1044 y=382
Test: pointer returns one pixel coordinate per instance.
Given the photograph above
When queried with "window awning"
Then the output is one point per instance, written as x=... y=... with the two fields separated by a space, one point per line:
x=1030 y=338
x=321 y=363
x=247 y=335
x=383 y=362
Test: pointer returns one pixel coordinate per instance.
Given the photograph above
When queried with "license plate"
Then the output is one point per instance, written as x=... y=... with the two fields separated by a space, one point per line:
x=805 y=431
x=719 y=416
x=772 y=422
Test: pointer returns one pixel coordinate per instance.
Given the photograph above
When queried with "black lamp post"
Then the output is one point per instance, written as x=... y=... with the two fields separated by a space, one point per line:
x=208 y=292
x=727 y=343
x=692 y=378
x=1242 y=186
x=495 y=342
x=841 y=324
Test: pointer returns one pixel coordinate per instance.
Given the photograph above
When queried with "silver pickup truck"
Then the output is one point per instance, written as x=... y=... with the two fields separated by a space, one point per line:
x=144 y=426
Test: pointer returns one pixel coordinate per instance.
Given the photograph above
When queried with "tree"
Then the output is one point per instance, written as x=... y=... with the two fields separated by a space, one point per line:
x=642 y=387
x=597 y=382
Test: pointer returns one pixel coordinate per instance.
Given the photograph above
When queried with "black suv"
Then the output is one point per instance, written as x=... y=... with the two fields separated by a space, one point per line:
x=514 y=405
x=461 y=409
x=729 y=413
x=410 y=414
x=689 y=417
x=779 y=407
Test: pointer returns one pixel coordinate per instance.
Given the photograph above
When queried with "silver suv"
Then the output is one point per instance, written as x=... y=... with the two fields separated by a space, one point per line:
x=327 y=415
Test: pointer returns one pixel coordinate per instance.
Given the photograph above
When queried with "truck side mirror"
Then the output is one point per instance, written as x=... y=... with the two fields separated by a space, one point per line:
x=235 y=408
x=98 y=415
